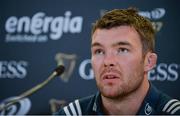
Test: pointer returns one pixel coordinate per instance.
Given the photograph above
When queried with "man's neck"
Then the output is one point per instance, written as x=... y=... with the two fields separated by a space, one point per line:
x=129 y=104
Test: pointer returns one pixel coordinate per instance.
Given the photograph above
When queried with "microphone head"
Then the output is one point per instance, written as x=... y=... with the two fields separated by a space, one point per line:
x=59 y=70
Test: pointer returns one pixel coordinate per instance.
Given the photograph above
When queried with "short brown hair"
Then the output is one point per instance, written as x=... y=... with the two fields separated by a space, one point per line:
x=129 y=17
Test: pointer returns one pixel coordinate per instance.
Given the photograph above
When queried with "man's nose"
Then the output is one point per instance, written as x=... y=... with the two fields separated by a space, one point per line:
x=109 y=60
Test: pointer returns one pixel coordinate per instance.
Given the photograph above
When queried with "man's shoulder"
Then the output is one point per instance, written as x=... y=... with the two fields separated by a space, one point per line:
x=157 y=102
x=168 y=105
x=78 y=106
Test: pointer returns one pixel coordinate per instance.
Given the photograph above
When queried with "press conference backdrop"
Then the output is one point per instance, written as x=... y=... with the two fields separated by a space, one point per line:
x=38 y=35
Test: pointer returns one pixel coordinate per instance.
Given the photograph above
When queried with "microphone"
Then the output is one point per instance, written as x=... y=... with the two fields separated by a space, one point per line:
x=58 y=71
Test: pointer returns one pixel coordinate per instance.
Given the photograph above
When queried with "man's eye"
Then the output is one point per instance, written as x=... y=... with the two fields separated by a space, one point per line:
x=99 y=51
x=123 y=50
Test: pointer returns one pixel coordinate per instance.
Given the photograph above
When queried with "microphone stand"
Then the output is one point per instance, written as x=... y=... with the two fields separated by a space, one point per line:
x=8 y=103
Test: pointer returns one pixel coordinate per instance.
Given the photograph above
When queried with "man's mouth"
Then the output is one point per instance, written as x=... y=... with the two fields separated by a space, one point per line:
x=109 y=76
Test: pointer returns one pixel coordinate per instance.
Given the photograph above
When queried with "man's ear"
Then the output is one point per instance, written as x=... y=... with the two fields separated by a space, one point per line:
x=150 y=61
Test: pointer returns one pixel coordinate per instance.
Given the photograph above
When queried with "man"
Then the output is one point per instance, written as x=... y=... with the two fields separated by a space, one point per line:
x=122 y=51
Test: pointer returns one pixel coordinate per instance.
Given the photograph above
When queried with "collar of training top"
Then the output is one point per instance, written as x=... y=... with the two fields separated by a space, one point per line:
x=147 y=107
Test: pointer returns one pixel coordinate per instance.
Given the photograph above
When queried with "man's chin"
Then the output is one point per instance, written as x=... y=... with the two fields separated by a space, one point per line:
x=110 y=93
x=110 y=96
x=113 y=93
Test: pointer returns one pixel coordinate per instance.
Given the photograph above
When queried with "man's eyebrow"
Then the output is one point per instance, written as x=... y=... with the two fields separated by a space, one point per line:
x=95 y=44
x=115 y=44
x=122 y=43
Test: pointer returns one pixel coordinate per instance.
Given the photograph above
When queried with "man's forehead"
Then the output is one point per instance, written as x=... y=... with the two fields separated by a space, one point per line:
x=124 y=35
x=113 y=44
x=121 y=31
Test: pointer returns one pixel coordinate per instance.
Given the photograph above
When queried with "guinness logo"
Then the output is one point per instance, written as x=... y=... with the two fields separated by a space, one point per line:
x=56 y=105
x=69 y=61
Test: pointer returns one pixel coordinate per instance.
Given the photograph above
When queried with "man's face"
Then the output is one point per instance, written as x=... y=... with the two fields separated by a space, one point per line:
x=117 y=60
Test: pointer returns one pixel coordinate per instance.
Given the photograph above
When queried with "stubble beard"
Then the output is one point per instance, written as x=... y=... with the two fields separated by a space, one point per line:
x=120 y=91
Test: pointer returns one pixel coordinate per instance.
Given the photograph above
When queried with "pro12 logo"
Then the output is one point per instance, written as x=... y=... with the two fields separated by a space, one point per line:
x=21 y=107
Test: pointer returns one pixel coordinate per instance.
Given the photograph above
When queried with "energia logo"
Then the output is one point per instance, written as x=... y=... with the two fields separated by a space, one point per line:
x=41 y=27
